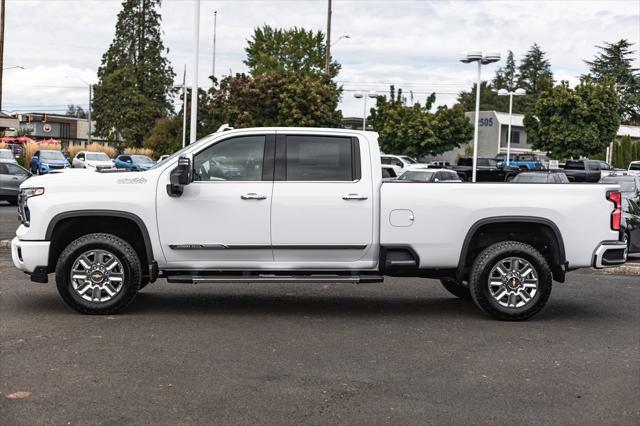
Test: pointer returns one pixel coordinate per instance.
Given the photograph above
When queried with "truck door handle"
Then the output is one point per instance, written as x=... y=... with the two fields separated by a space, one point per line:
x=253 y=196
x=354 y=197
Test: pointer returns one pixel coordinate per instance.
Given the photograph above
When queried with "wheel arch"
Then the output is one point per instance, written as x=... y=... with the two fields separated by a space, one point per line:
x=121 y=223
x=550 y=233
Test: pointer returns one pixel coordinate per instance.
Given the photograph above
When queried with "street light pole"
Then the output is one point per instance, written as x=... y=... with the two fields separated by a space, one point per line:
x=505 y=92
x=359 y=95
x=327 y=53
x=481 y=59
x=194 y=86
x=213 y=64
x=89 y=138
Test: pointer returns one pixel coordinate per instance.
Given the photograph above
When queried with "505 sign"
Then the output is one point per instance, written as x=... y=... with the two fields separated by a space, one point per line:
x=486 y=122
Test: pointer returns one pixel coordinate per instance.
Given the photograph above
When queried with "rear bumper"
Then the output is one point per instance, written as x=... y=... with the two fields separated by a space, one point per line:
x=610 y=253
x=29 y=255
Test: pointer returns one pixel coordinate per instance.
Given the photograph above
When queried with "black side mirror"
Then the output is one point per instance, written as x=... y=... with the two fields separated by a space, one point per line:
x=180 y=176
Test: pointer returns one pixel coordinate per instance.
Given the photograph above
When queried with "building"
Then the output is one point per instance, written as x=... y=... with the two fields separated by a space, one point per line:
x=8 y=123
x=493 y=129
x=67 y=129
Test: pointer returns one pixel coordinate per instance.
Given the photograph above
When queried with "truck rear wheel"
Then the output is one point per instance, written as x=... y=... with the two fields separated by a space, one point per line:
x=456 y=288
x=510 y=281
x=98 y=274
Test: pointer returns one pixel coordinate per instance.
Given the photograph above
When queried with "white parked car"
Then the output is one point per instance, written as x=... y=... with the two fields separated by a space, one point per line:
x=6 y=156
x=88 y=159
x=307 y=205
x=634 y=168
x=400 y=163
x=426 y=175
x=162 y=158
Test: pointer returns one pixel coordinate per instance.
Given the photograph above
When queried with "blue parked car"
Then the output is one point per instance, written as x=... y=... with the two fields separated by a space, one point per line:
x=134 y=162
x=45 y=161
x=521 y=161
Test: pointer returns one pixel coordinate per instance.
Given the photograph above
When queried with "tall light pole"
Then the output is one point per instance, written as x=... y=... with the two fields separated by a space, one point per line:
x=482 y=59
x=327 y=53
x=1 y=47
x=184 y=105
x=505 y=92
x=194 y=85
x=89 y=139
x=340 y=38
x=359 y=95
x=213 y=60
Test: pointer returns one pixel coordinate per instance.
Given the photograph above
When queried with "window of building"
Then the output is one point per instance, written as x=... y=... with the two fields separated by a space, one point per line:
x=515 y=136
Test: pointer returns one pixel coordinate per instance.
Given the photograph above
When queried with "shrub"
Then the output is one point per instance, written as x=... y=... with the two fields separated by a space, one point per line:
x=94 y=147
x=139 y=151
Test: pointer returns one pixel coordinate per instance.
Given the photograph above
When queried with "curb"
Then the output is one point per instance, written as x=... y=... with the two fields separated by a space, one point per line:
x=630 y=268
x=5 y=244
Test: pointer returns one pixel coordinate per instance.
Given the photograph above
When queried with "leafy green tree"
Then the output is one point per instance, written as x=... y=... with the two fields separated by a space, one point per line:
x=413 y=130
x=135 y=77
x=277 y=51
x=614 y=61
x=574 y=122
x=166 y=136
x=489 y=99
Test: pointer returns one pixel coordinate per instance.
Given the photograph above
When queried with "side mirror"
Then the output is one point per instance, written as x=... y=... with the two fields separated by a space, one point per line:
x=180 y=176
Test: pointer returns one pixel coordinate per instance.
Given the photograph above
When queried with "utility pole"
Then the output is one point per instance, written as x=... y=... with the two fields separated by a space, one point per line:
x=89 y=140
x=213 y=64
x=1 y=47
x=184 y=106
x=194 y=85
x=327 y=59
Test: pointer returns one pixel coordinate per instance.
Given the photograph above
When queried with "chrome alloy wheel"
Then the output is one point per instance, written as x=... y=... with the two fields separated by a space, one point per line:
x=513 y=282
x=97 y=276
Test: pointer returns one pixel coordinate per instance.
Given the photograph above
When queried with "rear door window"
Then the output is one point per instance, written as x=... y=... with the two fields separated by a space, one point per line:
x=322 y=158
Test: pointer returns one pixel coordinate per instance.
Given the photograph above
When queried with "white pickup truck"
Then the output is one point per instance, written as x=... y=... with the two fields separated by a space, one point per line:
x=306 y=205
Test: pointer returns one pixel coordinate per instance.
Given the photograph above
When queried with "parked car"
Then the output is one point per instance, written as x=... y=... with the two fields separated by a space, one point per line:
x=134 y=162
x=429 y=175
x=550 y=176
x=163 y=157
x=634 y=168
x=11 y=176
x=521 y=161
x=309 y=206
x=587 y=170
x=388 y=173
x=631 y=224
x=400 y=163
x=45 y=161
x=487 y=170
x=6 y=156
x=89 y=159
x=629 y=185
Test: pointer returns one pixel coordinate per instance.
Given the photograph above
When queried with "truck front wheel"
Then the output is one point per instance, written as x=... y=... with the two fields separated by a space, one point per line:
x=510 y=281
x=98 y=274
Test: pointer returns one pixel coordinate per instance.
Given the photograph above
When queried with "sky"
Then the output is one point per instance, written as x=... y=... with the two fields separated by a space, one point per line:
x=415 y=45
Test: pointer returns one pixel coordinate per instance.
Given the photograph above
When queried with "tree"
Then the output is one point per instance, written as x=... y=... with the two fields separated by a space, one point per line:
x=489 y=99
x=278 y=51
x=574 y=122
x=135 y=77
x=534 y=72
x=614 y=61
x=166 y=136
x=413 y=130
x=507 y=76
x=75 y=111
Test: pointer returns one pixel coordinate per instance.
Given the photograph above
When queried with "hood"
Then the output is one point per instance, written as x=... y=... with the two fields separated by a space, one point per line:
x=83 y=180
x=63 y=161
x=95 y=163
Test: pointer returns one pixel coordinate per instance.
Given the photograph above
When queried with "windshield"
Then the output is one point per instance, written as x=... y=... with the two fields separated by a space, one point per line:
x=408 y=159
x=417 y=176
x=6 y=154
x=51 y=155
x=142 y=159
x=634 y=166
x=626 y=185
x=530 y=178
x=97 y=156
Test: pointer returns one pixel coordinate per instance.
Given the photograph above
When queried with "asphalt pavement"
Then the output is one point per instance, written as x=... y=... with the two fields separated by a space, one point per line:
x=403 y=352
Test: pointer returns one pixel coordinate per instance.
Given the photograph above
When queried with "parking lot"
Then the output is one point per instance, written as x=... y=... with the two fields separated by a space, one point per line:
x=402 y=352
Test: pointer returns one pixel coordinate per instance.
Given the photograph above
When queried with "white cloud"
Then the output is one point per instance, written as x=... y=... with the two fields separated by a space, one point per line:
x=415 y=44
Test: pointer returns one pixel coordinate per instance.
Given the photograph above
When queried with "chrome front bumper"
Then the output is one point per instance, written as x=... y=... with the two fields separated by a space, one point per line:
x=610 y=253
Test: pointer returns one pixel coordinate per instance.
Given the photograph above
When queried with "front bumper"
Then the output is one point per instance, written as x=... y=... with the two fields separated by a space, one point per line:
x=29 y=255
x=610 y=253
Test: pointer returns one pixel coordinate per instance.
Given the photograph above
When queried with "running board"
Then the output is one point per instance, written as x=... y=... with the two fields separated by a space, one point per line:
x=268 y=278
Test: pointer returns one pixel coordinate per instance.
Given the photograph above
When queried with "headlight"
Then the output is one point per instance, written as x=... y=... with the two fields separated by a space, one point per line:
x=23 y=209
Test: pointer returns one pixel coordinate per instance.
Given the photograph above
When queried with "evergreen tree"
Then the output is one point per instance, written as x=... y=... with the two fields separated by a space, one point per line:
x=614 y=61
x=507 y=76
x=75 y=111
x=135 y=77
x=534 y=76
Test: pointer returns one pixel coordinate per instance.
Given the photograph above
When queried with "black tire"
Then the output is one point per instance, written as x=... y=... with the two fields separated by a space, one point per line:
x=488 y=259
x=456 y=288
x=123 y=252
